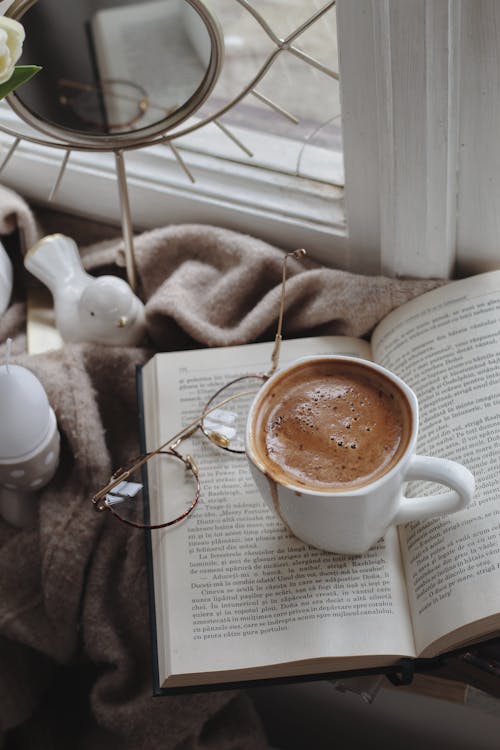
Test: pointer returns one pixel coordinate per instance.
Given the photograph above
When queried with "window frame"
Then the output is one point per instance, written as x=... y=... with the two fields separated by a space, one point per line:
x=400 y=73
x=278 y=208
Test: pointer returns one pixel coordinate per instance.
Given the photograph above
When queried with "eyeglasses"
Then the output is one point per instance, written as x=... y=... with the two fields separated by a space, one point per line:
x=113 y=105
x=222 y=421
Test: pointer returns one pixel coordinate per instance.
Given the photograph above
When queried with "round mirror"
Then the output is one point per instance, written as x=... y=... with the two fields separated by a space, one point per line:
x=115 y=73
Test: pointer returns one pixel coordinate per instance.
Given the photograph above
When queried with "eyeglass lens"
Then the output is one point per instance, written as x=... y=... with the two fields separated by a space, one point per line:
x=226 y=425
x=169 y=479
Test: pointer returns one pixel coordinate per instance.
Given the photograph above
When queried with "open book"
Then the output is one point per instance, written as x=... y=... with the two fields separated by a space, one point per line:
x=236 y=597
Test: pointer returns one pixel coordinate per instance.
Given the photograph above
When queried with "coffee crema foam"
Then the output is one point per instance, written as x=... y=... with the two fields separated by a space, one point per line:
x=331 y=425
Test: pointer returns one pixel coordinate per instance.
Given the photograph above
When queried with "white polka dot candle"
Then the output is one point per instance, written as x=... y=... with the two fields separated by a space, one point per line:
x=29 y=442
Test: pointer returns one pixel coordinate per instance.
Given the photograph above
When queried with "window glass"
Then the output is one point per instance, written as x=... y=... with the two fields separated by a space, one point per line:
x=300 y=82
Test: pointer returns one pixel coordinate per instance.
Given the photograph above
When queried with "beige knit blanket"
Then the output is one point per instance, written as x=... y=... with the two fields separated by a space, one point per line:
x=75 y=667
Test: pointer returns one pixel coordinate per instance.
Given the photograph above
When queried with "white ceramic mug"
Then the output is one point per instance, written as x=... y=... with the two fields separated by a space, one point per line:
x=350 y=521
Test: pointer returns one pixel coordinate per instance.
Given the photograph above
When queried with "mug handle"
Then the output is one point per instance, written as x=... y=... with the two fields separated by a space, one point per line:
x=440 y=470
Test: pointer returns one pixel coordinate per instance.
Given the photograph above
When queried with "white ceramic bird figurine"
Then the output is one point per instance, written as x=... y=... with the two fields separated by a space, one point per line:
x=5 y=279
x=101 y=310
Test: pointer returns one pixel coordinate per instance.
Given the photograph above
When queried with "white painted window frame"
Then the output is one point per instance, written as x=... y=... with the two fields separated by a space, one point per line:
x=279 y=208
x=400 y=70
x=478 y=225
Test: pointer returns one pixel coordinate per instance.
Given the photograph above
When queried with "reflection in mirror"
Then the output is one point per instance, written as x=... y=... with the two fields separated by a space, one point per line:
x=114 y=67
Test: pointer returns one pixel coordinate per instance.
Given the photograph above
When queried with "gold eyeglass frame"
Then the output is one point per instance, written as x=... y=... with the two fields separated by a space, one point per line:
x=100 y=501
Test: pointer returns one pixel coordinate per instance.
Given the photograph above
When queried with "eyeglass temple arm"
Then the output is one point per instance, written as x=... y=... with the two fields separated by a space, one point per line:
x=297 y=254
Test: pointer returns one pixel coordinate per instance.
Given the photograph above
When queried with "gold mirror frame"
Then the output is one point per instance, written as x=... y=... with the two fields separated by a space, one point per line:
x=144 y=136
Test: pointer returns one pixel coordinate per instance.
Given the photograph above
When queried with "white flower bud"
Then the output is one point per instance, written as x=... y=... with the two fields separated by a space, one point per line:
x=11 y=46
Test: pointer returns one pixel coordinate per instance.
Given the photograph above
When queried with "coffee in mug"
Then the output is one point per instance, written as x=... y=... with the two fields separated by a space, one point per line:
x=331 y=425
x=331 y=442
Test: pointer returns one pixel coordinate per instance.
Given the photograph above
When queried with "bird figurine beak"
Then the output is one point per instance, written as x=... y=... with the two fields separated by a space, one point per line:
x=122 y=322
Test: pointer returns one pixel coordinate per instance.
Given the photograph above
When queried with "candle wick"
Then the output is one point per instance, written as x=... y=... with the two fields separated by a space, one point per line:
x=7 y=355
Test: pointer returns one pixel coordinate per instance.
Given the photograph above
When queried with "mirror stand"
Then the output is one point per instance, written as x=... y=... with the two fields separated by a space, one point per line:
x=126 y=216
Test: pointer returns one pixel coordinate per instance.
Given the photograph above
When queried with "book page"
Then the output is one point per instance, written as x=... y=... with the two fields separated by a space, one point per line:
x=161 y=47
x=239 y=590
x=446 y=346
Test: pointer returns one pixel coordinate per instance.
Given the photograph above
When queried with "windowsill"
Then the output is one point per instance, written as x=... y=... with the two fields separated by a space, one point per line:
x=283 y=209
